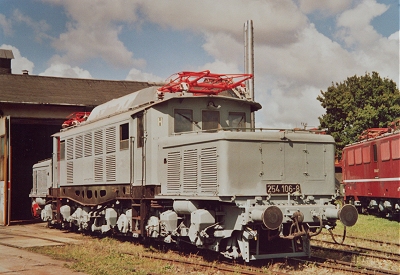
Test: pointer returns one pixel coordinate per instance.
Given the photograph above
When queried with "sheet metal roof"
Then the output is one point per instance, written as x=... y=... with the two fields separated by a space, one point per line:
x=7 y=54
x=32 y=89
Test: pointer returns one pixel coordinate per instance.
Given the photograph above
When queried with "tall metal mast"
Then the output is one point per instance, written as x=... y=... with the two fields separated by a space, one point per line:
x=249 y=62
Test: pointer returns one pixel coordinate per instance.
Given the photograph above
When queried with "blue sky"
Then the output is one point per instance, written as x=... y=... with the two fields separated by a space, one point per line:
x=301 y=46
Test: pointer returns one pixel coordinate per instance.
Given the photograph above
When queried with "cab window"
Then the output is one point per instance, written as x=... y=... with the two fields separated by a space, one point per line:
x=124 y=136
x=237 y=120
x=210 y=120
x=183 y=120
x=140 y=130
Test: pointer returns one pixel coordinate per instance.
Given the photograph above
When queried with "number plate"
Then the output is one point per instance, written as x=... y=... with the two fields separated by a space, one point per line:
x=283 y=188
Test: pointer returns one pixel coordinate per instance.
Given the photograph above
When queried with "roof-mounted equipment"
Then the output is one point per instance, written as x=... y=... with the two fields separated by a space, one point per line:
x=203 y=82
x=75 y=119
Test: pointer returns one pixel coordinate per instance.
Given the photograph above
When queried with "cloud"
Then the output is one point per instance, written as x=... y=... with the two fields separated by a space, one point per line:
x=39 y=28
x=93 y=32
x=394 y=36
x=216 y=46
x=221 y=67
x=5 y=25
x=65 y=70
x=208 y=16
x=354 y=24
x=137 y=75
x=370 y=50
x=19 y=62
x=327 y=7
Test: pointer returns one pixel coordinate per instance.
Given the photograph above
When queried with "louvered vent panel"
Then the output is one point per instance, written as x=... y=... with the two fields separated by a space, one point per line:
x=110 y=139
x=98 y=142
x=41 y=181
x=98 y=169
x=88 y=144
x=174 y=172
x=190 y=164
x=35 y=187
x=110 y=168
x=78 y=147
x=70 y=148
x=208 y=176
x=70 y=172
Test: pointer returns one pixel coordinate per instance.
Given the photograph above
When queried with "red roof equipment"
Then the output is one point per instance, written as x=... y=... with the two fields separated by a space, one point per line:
x=204 y=82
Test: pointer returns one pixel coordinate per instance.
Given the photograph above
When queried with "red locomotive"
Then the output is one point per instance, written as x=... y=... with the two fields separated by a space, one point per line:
x=371 y=171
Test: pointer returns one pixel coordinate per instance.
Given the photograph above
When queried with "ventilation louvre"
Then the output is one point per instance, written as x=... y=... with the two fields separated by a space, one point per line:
x=111 y=168
x=208 y=174
x=190 y=166
x=173 y=172
x=110 y=139
x=88 y=138
x=192 y=171
x=78 y=147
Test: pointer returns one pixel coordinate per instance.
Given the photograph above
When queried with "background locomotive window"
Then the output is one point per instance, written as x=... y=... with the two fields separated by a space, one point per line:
x=375 y=149
x=124 y=136
x=210 y=120
x=183 y=120
x=366 y=154
x=62 y=150
x=358 y=156
x=237 y=119
x=350 y=156
x=385 y=151
x=396 y=148
x=140 y=130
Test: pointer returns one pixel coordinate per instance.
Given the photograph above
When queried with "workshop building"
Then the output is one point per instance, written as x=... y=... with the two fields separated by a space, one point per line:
x=32 y=108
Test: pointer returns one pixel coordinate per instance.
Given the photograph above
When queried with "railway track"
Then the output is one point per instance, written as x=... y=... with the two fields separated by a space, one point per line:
x=345 y=261
x=368 y=255
x=385 y=256
x=221 y=266
x=387 y=250
x=397 y=244
x=324 y=264
x=344 y=266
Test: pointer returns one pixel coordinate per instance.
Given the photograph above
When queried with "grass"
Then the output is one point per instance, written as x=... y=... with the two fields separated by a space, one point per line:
x=102 y=256
x=372 y=228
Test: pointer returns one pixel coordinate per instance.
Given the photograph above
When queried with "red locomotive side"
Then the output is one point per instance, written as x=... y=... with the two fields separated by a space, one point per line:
x=371 y=172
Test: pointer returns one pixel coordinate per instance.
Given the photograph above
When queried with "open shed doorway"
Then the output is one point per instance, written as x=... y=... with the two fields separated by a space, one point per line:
x=30 y=143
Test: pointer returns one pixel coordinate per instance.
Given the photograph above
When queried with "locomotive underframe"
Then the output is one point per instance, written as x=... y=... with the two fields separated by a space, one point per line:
x=234 y=236
x=382 y=206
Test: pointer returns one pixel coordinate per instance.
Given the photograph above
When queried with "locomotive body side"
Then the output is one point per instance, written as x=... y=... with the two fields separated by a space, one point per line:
x=188 y=168
x=250 y=163
x=371 y=174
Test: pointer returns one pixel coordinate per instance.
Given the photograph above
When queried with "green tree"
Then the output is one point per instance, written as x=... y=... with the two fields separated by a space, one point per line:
x=357 y=104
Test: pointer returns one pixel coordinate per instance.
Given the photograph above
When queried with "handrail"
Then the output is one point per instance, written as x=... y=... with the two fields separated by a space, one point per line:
x=248 y=129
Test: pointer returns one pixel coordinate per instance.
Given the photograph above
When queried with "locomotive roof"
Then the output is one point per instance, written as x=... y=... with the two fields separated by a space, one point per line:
x=146 y=98
x=392 y=134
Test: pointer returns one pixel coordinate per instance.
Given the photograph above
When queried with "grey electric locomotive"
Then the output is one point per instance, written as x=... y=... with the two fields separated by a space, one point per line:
x=181 y=163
